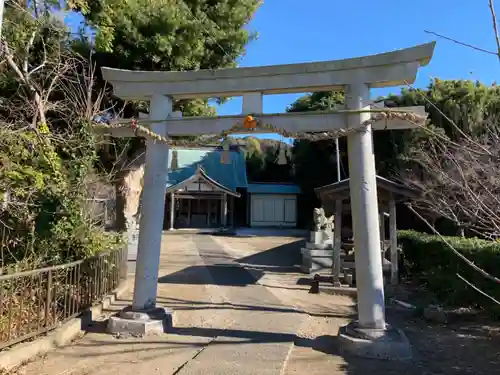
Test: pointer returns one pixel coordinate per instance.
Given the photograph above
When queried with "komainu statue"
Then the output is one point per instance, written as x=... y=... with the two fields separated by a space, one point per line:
x=321 y=222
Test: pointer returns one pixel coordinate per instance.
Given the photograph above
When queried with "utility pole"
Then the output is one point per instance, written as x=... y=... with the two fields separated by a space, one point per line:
x=2 y=2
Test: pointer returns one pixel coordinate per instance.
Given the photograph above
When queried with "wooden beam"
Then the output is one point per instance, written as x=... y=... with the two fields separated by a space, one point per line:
x=195 y=196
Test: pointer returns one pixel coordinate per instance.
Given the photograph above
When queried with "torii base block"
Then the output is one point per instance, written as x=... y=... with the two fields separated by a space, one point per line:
x=389 y=343
x=155 y=321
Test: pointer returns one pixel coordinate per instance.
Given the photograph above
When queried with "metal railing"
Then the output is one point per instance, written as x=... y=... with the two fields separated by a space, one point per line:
x=34 y=302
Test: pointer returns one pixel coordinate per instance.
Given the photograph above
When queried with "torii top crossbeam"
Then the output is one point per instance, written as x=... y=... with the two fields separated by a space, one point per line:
x=381 y=70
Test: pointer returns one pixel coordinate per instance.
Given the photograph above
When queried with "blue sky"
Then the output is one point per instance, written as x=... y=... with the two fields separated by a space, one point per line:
x=318 y=30
x=292 y=31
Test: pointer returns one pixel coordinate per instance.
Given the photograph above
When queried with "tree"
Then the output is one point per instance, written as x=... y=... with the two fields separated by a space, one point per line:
x=169 y=35
x=455 y=160
x=457 y=110
x=162 y=35
x=47 y=152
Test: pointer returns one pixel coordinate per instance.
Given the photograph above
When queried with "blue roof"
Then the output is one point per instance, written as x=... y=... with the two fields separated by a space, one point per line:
x=274 y=188
x=231 y=175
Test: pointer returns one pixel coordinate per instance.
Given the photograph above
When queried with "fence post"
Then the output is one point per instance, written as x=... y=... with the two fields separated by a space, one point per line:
x=123 y=263
x=48 y=298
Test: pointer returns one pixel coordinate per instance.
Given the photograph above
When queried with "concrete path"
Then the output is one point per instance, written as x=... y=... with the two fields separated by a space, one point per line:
x=238 y=310
x=260 y=330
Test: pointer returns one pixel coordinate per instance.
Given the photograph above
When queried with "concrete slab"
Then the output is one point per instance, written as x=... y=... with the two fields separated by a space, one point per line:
x=152 y=322
x=390 y=343
x=261 y=334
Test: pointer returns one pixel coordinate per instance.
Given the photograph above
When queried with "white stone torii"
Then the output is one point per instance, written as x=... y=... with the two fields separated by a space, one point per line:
x=356 y=76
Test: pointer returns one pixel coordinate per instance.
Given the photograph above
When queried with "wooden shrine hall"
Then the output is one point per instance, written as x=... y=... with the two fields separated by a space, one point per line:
x=335 y=199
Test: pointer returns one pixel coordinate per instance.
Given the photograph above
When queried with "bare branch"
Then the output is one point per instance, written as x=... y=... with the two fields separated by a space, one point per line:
x=495 y=26
x=24 y=78
x=29 y=44
x=477 y=289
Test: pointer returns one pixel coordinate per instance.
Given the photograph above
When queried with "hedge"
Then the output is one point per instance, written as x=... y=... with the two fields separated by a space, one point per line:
x=428 y=260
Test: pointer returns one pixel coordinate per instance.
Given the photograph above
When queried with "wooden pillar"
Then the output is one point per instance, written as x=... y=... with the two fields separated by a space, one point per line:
x=248 y=208
x=232 y=211
x=382 y=233
x=209 y=213
x=394 y=241
x=223 y=211
x=337 y=243
x=172 y=211
x=189 y=212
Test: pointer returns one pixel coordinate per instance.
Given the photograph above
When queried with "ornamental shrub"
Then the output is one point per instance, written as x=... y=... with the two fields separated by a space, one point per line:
x=45 y=216
x=430 y=261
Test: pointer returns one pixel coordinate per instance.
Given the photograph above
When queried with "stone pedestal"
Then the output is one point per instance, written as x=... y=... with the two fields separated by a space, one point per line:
x=316 y=261
x=317 y=256
x=389 y=343
x=155 y=321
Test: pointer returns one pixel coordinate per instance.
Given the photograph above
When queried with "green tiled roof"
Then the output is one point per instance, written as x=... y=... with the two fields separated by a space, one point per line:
x=231 y=175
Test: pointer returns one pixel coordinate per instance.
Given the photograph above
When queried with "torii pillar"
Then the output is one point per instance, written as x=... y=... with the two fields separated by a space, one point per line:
x=363 y=190
x=144 y=317
x=369 y=335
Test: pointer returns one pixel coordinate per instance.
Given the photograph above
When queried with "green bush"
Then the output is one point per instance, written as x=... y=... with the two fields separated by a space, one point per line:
x=45 y=216
x=430 y=261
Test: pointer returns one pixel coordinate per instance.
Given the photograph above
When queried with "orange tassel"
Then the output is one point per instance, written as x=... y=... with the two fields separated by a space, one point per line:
x=250 y=122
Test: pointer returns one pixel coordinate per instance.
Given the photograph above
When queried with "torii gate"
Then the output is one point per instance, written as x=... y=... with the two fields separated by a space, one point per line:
x=356 y=76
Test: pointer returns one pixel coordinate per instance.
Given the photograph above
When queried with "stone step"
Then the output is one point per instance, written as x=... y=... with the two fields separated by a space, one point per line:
x=310 y=245
x=386 y=266
x=312 y=253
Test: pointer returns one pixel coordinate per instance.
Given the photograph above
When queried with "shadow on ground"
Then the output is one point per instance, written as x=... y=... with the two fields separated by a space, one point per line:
x=283 y=258
x=438 y=350
x=447 y=350
x=221 y=274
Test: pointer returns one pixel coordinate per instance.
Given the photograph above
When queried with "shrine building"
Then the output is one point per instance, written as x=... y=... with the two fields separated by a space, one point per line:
x=207 y=187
